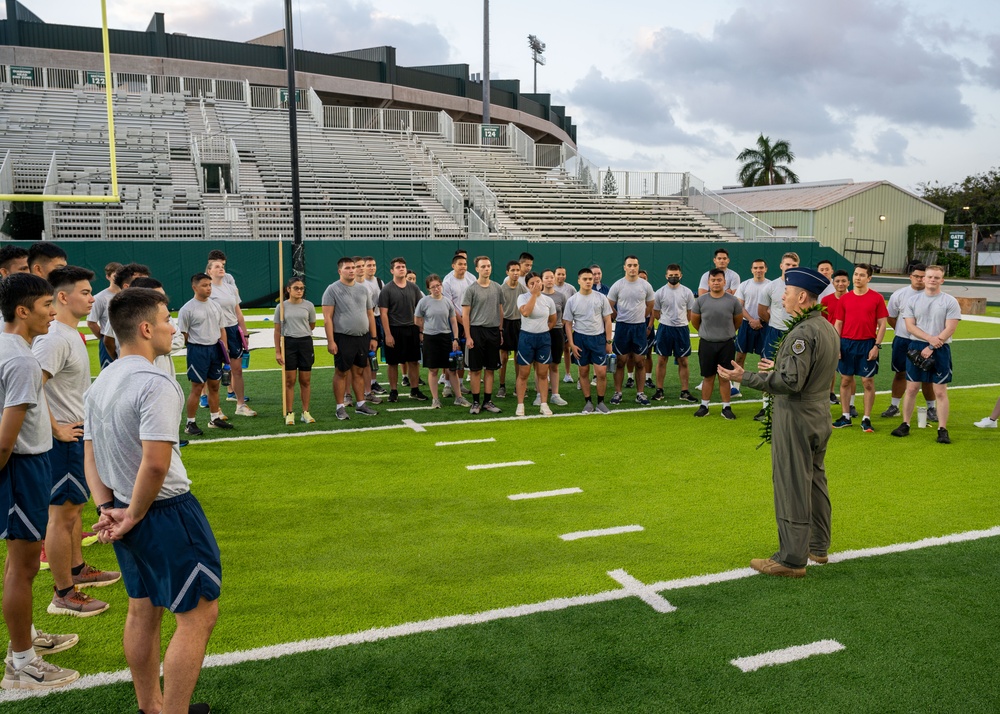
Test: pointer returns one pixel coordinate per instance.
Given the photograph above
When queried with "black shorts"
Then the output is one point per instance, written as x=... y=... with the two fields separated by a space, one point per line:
x=437 y=350
x=558 y=338
x=486 y=353
x=352 y=351
x=407 y=349
x=715 y=354
x=511 y=333
x=299 y=354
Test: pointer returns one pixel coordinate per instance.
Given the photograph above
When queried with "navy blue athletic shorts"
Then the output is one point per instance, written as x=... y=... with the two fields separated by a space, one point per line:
x=941 y=374
x=204 y=363
x=68 y=482
x=534 y=347
x=749 y=340
x=673 y=341
x=854 y=358
x=25 y=485
x=630 y=338
x=593 y=349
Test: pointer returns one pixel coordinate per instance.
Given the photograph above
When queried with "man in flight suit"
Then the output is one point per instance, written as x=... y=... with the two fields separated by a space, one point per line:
x=799 y=378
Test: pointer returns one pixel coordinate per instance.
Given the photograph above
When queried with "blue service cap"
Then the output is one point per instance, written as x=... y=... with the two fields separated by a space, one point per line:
x=807 y=279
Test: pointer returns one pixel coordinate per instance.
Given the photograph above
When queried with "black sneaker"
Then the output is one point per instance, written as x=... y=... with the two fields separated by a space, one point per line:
x=759 y=416
x=183 y=442
x=377 y=388
x=702 y=411
x=686 y=396
x=406 y=381
x=834 y=399
x=901 y=430
x=658 y=395
x=854 y=412
x=932 y=415
x=943 y=437
x=418 y=395
x=842 y=422
x=393 y=396
x=629 y=383
x=892 y=411
x=727 y=413
x=218 y=423
x=866 y=426
x=421 y=382
x=650 y=384
x=192 y=429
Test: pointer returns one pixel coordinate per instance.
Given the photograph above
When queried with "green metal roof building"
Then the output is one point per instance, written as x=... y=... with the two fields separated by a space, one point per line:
x=865 y=222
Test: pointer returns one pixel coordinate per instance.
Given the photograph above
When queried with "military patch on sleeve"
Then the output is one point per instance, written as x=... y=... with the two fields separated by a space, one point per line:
x=799 y=346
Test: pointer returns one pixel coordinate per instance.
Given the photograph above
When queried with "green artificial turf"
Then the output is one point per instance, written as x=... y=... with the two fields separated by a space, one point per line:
x=339 y=533
x=917 y=628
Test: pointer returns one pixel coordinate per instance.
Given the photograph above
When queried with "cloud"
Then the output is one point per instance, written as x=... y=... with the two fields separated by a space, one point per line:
x=631 y=109
x=989 y=73
x=890 y=148
x=806 y=72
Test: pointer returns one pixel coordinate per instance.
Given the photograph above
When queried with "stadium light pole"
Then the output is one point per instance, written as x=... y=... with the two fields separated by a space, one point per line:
x=298 y=249
x=537 y=55
x=486 y=61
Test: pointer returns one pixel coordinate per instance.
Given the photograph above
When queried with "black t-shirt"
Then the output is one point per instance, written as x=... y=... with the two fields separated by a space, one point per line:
x=399 y=302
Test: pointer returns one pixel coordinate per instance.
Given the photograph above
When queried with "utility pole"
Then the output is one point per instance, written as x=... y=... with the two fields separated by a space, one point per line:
x=298 y=249
x=486 y=61
x=537 y=55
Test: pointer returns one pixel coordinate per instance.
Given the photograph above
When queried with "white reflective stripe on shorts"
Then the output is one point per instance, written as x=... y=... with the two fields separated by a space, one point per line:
x=190 y=581
x=76 y=482
x=17 y=509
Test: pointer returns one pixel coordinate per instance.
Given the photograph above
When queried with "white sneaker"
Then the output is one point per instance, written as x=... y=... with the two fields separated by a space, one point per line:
x=290 y=419
x=519 y=411
x=442 y=380
x=986 y=423
x=557 y=400
x=435 y=404
x=538 y=400
x=244 y=410
x=568 y=379
x=544 y=409
x=447 y=392
x=307 y=418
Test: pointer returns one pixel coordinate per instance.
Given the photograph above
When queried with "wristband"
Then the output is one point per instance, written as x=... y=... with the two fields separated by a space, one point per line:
x=101 y=507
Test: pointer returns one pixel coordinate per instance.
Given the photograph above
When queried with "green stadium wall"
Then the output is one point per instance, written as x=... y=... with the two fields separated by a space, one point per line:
x=254 y=265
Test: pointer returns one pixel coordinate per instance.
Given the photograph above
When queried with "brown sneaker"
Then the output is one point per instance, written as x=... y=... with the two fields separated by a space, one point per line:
x=37 y=674
x=767 y=566
x=821 y=559
x=93 y=578
x=76 y=604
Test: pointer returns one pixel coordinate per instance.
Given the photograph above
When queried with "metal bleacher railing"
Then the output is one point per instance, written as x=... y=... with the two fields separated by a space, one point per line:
x=265 y=216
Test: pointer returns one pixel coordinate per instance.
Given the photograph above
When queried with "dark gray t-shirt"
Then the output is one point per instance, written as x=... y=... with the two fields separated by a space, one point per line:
x=299 y=319
x=485 y=304
x=560 y=302
x=351 y=304
x=399 y=303
x=436 y=315
x=717 y=316
x=510 y=296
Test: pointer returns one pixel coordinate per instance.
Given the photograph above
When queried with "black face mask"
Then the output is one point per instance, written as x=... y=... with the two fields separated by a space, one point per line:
x=673 y=280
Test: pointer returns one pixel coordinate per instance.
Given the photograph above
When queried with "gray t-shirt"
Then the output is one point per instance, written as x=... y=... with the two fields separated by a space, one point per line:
x=99 y=310
x=587 y=313
x=931 y=312
x=165 y=363
x=202 y=321
x=63 y=354
x=510 y=296
x=717 y=316
x=132 y=401
x=749 y=293
x=399 y=303
x=732 y=280
x=227 y=297
x=299 y=319
x=897 y=301
x=454 y=288
x=375 y=288
x=630 y=298
x=673 y=304
x=771 y=299
x=559 y=299
x=21 y=383
x=351 y=304
x=436 y=315
x=566 y=290
x=485 y=303
x=538 y=320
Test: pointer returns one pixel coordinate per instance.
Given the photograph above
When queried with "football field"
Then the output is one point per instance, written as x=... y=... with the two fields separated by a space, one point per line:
x=430 y=561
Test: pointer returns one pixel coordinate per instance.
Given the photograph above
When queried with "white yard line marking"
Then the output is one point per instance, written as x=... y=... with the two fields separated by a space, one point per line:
x=786 y=655
x=466 y=441
x=544 y=494
x=601 y=532
x=413 y=425
x=410 y=409
x=442 y=623
x=501 y=465
x=642 y=591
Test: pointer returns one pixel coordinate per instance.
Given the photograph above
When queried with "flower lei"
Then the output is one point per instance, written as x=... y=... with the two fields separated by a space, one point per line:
x=765 y=429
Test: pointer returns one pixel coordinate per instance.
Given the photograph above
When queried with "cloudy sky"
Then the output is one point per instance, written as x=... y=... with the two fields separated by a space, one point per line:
x=863 y=89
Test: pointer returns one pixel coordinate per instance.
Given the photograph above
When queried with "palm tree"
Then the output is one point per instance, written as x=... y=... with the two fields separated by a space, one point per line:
x=762 y=165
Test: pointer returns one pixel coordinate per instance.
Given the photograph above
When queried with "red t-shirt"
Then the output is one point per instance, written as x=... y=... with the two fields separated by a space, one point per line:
x=830 y=303
x=860 y=314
